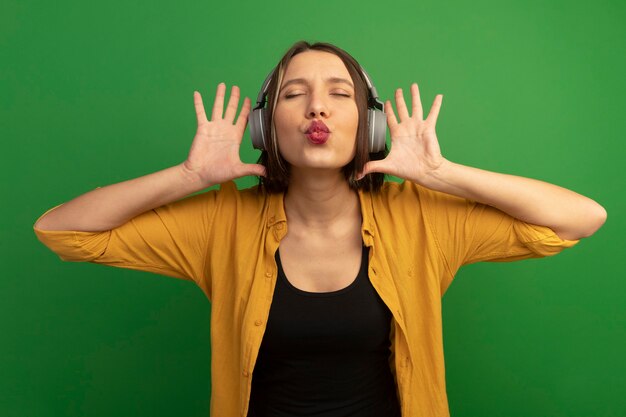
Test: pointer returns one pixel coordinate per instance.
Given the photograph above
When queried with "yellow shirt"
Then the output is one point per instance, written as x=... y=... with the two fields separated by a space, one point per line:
x=224 y=240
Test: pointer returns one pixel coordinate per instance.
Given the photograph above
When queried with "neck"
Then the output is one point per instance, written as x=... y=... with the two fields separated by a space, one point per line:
x=319 y=198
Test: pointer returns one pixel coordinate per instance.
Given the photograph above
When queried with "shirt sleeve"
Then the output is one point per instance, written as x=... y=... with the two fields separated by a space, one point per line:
x=467 y=232
x=169 y=240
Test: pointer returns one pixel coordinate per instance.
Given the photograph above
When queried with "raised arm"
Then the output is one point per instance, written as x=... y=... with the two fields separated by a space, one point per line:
x=415 y=156
x=571 y=215
x=111 y=206
x=213 y=159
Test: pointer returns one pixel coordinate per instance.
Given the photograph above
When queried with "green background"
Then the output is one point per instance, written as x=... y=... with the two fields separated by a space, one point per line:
x=97 y=93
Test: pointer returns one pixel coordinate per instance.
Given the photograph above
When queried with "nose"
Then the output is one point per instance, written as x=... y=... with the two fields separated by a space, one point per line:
x=317 y=106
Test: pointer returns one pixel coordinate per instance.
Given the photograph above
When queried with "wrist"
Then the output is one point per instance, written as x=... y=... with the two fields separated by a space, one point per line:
x=437 y=179
x=191 y=177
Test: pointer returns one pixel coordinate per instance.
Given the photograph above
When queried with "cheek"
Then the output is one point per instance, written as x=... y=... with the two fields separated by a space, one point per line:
x=283 y=121
x=280 y=129
x=354 y=128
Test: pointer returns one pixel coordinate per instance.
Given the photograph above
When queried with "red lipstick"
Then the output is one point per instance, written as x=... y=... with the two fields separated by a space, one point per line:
x=317 y=132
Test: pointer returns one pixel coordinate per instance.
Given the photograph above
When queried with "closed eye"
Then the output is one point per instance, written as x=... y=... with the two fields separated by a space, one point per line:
x=334 y=94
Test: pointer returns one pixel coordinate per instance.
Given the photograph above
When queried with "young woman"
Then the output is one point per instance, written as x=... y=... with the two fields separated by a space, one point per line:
x=325 y=281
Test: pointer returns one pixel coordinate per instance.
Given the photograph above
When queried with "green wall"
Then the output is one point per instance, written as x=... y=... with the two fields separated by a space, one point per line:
x=94 y=93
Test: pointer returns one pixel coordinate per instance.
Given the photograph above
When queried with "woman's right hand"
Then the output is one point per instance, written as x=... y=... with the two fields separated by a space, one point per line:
x=214 y=154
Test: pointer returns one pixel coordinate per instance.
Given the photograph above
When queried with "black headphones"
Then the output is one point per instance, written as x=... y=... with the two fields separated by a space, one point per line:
x=376 y=118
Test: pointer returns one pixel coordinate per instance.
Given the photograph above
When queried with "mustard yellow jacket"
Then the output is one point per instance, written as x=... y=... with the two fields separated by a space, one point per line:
x=224 y=240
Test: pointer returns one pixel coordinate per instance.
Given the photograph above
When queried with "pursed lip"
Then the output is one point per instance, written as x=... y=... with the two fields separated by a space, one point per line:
x=317 y=125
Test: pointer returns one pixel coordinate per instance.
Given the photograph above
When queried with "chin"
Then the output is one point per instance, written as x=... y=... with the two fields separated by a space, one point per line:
x=323 y=158
x=320 y=163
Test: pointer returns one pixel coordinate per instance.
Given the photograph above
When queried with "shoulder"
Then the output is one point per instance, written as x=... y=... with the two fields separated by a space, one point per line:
x=247 y=203
x=409 y=198
x=396 y=204
x=392 y=193
x=408 y=192
x=228 y=193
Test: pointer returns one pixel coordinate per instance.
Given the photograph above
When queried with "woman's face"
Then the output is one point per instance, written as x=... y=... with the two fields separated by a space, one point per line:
x=316 y=86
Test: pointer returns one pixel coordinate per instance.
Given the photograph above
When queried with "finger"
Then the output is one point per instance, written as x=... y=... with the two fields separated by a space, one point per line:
x=233 y=103
x=243 y=114
x=403 y=113
x=391 y=117
x=252 y=169
x=200 y=114
x=434 y=110
x=417 y=102
x=218 y=104
x=373 y=166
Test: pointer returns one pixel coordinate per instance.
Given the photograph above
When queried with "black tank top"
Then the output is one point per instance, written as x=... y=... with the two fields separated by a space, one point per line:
x=325 y=354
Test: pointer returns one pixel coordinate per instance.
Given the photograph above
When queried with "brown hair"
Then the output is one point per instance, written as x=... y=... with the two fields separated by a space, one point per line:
x=277 y=168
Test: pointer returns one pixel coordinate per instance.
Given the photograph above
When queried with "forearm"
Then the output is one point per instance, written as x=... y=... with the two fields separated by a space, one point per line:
x=111 y=206
x=571 y=215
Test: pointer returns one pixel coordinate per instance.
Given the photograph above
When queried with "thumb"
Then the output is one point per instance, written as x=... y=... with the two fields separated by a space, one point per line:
x=369 y=167
x=255 y=169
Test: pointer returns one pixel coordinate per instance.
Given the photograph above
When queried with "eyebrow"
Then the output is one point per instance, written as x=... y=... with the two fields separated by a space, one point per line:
x=331 y=80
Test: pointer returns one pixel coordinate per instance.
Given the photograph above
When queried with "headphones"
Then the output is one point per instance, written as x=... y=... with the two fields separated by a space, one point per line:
x=376 y=118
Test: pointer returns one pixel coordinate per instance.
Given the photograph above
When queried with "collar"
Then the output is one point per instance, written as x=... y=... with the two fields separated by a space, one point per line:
x=367 y=212
x=276 y=211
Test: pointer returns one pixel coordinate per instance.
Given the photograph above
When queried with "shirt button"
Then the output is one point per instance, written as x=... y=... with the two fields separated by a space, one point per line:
x=245 y=373
x=279 y=226
x=268 y=274
x=258 y=322
x=272 y=219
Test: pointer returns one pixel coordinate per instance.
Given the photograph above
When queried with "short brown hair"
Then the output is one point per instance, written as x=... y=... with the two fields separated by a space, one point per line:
x=277 y=168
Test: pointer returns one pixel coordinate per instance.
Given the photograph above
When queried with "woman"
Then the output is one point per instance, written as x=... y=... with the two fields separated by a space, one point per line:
x=293 y=332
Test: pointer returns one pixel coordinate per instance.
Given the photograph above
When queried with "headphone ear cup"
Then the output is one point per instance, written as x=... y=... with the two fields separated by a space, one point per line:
x=377 y=126
x=257 y=133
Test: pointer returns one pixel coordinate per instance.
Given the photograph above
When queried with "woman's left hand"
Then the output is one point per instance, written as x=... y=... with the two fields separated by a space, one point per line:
x=415 y=153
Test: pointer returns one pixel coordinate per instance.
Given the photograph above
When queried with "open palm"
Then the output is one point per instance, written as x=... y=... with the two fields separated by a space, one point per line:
x=214 y=154
x=415 y=151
